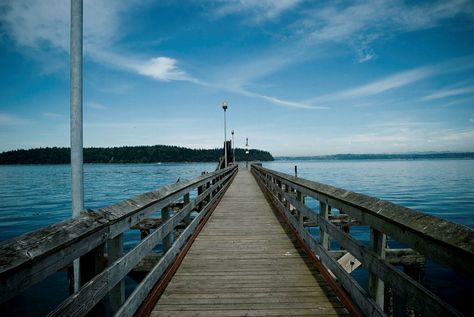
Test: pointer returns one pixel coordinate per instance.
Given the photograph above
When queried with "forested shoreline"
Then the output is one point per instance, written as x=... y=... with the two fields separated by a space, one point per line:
x=401 y=156
x=127 y=154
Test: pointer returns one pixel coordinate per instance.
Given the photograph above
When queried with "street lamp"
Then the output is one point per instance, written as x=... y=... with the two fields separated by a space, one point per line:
x=233 y=147
x=224 y=106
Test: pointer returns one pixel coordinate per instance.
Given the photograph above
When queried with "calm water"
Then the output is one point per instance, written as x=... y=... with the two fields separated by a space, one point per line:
x=34 y=196
x=444 y=188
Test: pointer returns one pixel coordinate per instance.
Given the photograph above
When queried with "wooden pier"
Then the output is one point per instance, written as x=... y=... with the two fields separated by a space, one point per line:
x=239 y=243
x=244 y=263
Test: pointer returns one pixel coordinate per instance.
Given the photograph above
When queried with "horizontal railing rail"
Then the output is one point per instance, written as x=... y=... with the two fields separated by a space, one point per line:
x=28 y=259
x=448 y=243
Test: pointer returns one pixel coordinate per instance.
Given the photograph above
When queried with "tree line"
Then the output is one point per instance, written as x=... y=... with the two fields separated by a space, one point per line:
x=127 y=154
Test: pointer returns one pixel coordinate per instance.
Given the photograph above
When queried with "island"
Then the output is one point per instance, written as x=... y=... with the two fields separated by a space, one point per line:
x=128 y=154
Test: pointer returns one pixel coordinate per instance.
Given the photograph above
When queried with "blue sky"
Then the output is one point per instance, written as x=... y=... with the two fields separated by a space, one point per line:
x=301 y=77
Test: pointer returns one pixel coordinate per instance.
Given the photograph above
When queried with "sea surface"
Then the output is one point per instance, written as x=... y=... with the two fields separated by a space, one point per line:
x=33 y=196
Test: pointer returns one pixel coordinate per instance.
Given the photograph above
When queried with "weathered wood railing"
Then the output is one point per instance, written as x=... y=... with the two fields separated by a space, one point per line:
x=445 y=242
x=34 y=256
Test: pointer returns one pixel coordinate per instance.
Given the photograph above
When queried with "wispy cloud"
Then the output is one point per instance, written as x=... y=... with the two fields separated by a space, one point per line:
x=9 y=120
x=162 y=68
x=359 y=24
x=96 y=105
x=256 y=11
x=52 y=115
x=444 y=93
x=44 y=25
x=399 y=80
x=278 y=101
x=409 y=138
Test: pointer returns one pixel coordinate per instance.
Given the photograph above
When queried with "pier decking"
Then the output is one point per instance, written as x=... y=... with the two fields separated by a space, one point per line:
x=244 y=263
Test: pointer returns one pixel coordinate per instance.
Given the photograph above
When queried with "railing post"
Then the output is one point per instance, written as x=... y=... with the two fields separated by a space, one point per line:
x=378 y=241
x=168 y=239
x=299 y=197
x=199 y=192
x=214 y=191
x=279 y=195
x=208 y=197
x=116 y=294
x=324 y=210
x=187 y=219
x=91 y=264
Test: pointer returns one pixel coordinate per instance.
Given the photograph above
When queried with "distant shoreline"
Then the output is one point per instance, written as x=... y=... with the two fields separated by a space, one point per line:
x=407 y=156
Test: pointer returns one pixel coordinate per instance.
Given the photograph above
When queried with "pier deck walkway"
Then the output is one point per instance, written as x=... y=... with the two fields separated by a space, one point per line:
x=245 y=263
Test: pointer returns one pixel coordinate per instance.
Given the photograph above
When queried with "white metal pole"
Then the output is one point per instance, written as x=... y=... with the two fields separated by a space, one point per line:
x=77 y=173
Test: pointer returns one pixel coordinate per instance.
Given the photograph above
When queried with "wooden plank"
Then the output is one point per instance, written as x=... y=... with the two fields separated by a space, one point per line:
x=243 y=262
x=250 y=313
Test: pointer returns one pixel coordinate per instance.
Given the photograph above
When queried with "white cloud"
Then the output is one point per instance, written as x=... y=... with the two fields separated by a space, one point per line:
x=258 y=11
x=161 y=68
x=44 y=25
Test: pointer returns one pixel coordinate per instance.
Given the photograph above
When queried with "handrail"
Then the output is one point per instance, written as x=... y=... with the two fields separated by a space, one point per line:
x=443 y=241
x=29 y=258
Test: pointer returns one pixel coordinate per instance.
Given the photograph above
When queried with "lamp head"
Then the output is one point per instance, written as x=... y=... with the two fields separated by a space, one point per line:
x=224 y=105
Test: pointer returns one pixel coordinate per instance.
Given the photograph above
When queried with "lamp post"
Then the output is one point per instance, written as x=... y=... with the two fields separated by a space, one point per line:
x=247 y=153
x=233 y=147
x=224 y=106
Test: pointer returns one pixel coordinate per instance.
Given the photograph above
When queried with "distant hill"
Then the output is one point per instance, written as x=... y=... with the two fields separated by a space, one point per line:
x=403 y=156
x=127 y=154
